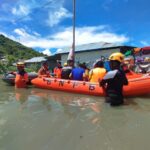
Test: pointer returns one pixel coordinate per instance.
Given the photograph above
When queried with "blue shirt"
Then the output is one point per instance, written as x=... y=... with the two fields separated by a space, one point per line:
x=107 y=66
x=77 y=74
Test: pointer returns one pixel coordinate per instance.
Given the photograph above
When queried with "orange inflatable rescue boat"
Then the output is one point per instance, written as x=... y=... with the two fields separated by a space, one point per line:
x=138 y=85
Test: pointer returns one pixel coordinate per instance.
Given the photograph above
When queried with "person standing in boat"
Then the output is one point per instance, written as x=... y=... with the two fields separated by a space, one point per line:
x=86 y=73
x=98 y=72
x=44 y=71
x=21 y=78
x=58 y=70
x=66 y=70
x=114 y=80
x=77 y=73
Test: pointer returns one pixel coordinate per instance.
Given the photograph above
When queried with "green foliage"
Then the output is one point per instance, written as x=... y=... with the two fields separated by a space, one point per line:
x=15 y=51
x=2 y=68
x=6 y=68
x=33 y=68
x=11 y=68
x=11 y=59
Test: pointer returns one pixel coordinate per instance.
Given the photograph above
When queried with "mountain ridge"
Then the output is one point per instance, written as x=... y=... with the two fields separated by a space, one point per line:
x=15 y=50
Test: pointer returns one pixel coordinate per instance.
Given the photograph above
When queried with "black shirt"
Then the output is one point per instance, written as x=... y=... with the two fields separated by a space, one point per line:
x=115 y=85
x=66 y=72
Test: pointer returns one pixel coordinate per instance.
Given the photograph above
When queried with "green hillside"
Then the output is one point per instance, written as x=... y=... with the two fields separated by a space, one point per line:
x=15 y=51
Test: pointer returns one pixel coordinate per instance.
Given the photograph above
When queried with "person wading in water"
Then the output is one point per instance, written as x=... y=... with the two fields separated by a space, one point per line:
x=21 y=78
x=114 y=80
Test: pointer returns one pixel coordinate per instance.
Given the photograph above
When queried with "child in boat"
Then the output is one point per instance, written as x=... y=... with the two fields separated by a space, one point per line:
x=21 y=78
x=114 y=81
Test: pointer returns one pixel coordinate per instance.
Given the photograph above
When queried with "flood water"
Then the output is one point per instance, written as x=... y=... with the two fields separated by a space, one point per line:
x=37 y=119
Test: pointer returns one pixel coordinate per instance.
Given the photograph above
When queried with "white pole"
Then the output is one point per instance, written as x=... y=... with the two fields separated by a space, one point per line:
x=74 y=23
x=71 y=55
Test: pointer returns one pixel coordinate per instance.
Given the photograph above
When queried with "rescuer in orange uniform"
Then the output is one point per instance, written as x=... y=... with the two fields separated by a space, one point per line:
x=21 y=78
x=58 y=70
x=44 y=71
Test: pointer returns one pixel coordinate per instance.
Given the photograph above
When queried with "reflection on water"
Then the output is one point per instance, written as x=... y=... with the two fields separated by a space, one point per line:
x=39 y=119
x=70 y=104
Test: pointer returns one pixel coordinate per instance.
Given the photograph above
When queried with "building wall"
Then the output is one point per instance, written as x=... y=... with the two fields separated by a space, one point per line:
x=52 y=61
x=90 y=56
x=52 y=64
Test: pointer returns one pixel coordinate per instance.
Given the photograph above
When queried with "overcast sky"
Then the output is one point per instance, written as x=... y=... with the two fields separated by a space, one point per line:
x=46 y=25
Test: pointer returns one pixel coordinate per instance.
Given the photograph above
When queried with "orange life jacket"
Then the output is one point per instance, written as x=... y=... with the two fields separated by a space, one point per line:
x=57 y=72
x=43 y=72
x=21 y=80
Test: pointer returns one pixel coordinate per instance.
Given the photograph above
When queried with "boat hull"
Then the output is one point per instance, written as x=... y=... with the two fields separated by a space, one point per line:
x=10 y=78
x=136 y=87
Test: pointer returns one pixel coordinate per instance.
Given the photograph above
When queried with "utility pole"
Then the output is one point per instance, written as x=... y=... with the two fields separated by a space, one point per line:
x=71 y=56
x=74 y=24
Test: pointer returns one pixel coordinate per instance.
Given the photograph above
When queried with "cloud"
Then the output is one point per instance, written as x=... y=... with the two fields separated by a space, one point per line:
x=36 y=34
x=84 y=35
x=47 y=52
x=107 y=4
x=4 y=34
x=59 y=50
x=145 y=43
x=56 y=16
x=21 y=10
x=52 y=11
x=16 y=11
x=21 y=32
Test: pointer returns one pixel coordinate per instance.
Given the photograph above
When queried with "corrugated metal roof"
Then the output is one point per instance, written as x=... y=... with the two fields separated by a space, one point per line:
x=35 y=59
x=90 y=46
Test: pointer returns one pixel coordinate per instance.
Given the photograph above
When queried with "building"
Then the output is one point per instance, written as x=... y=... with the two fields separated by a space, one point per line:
x=87 y=53
x=52 y=61
x=90 y=52
x=35 y=60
